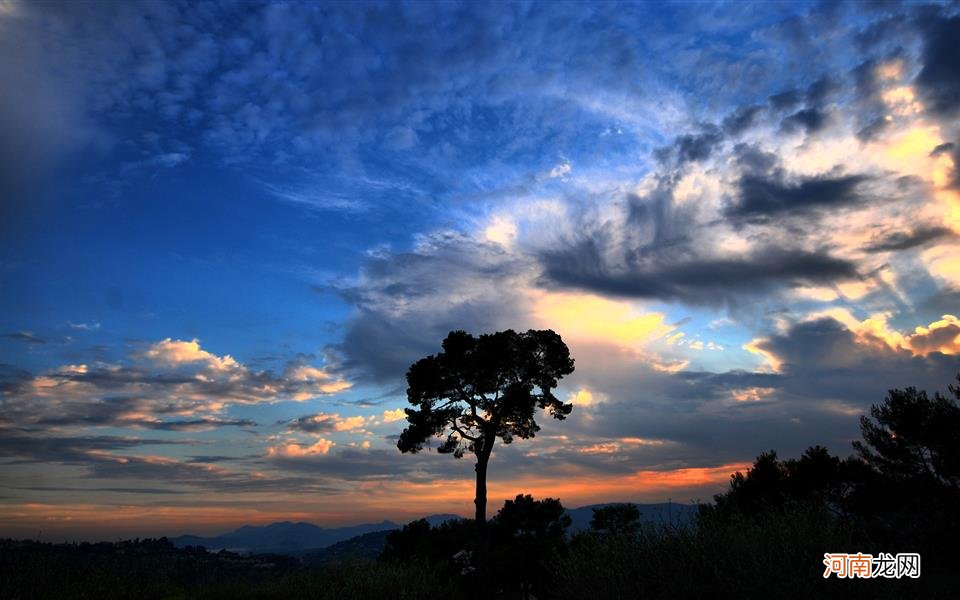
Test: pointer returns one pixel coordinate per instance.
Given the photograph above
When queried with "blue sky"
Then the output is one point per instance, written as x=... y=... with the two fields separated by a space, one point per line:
x=227 y=228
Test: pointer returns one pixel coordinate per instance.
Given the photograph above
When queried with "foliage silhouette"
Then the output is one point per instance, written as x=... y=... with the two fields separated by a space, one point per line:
x=913 y=437
x=478 y=389
x=616 y=519
x=770 y=483
x=527 y=536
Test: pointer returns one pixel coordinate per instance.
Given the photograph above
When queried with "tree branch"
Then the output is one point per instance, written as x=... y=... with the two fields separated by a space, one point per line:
x=462 y=433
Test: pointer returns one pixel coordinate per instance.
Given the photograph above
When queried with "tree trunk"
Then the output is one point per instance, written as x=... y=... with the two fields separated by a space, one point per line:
x=486 y=589
x=481 y=498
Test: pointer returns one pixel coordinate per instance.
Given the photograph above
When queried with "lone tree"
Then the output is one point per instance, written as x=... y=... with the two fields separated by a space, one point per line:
x=482 y=388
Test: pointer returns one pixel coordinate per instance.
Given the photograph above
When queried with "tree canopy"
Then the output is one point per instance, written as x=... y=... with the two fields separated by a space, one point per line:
x=479 y=389
x=913 y=436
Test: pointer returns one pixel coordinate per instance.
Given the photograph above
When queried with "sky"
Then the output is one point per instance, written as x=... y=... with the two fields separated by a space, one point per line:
x=227 y=229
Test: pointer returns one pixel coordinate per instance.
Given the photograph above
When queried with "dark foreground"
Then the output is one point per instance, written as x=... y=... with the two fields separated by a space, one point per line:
x=778 y=554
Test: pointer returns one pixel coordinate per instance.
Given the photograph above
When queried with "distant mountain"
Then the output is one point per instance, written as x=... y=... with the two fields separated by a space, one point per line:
x=661 y=514
x=287 y=537
x=365 y=547
x=280 y=538
x=318 y=544
x=369 y=545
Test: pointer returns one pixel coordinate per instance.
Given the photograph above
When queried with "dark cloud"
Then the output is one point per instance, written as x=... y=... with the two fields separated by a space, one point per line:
x=943 y=148
x=761 y=198
x=753 y=159
x=810 y=120
x=693 y=147
x=319 y=423
x=823 y=89
x=193 y=424
x=106 y=457
x=939 y=79
x=873 y=130
x=660 y=222
x=900 y=240
x=25 y=336
x=786 y=99
x=741 y=119
x=39 y=446
x=704 y=281
x=112 y=490
x=851 y=369
x=954 y=150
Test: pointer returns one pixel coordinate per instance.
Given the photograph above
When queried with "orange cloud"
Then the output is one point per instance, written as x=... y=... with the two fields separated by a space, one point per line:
x=173 y=353
x=591 y=318
x=293 y=450
x=752 y=394
x=754 y=346
x=615 y=446
x=940 y=336
x=397 y=414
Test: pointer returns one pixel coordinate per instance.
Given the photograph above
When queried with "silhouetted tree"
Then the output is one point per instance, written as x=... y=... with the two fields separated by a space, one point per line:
x=524 y=517
x=527 y=535
x=478 y=389
x=816 y=477
x=417 y=541
x=914 y=437
x=616 y=519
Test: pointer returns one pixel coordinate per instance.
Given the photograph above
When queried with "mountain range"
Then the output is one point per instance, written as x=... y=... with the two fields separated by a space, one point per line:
x=367 y=538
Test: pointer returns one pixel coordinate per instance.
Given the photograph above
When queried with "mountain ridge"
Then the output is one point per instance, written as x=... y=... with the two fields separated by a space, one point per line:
x=301 y=537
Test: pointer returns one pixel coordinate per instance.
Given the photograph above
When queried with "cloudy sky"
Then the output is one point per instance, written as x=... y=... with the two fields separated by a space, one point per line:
x=226 y=230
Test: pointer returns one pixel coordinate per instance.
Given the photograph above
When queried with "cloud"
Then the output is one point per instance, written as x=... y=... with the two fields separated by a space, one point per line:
x=940 y=336
x=203 y=424
x=174 y=353
x=394 y=415
x=17 y=442
x=810 y=120
x=710 y=281
x=326 y=423
x=855 y=350
x=405 y=303
x=905 y=240
x=25 y=336
x=320 y=447
x=173 y=384
x=594 y=319
x=741 y=119
x=762 y=198
x=785 y=99
x=695 y=147
x=938 y=79
x=823 y=89
x=560 y=170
